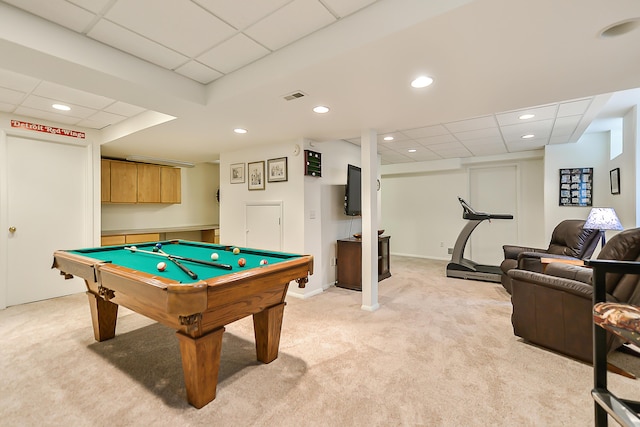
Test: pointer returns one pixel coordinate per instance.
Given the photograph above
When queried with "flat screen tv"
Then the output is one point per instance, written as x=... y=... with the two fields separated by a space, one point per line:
x=352 y=196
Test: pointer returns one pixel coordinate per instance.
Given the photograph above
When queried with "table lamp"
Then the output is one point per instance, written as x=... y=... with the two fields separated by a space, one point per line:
x=603 y=219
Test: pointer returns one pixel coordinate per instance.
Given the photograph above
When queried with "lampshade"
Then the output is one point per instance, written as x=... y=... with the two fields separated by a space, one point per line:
x=603 y=219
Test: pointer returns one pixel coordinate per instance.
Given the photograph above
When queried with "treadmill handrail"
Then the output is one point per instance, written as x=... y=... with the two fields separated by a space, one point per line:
x=470 y=213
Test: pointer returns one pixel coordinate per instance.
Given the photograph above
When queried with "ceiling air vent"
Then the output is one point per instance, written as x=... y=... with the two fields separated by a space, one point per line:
x=294 y=95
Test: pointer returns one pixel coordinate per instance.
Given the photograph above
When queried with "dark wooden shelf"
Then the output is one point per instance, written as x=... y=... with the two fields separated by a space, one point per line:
x=313 y=163
x=349 y=265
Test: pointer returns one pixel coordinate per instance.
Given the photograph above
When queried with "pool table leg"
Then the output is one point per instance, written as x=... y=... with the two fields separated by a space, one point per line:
x=267 y=325
x=200 y=364
x=103 y=316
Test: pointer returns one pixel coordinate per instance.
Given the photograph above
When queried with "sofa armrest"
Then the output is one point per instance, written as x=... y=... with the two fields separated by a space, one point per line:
x=532 y=260
x=512 y=251
x=574 y=287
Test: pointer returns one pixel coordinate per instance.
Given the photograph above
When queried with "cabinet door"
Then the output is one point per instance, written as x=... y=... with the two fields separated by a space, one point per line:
x=105 y=180
x=170 y=185
x=148 y=183
x=124 y=182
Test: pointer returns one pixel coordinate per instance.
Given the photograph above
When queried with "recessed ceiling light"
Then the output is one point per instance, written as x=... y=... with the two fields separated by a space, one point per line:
x=388 y=138
x=527 y=136
x=527 y=116
x=321 y=109
x=240 y=130
x=61 y=107
x=620 y=28
x=412 y=150
x=422 y=81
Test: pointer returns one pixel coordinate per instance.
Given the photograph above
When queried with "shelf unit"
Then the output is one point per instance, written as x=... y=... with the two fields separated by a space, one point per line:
x=349 y=262
x=313 y=163
x=623 y=411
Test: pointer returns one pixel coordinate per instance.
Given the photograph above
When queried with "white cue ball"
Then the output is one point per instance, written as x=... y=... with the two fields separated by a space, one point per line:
x=214 y=256
x=133 y=248
x=161 y=266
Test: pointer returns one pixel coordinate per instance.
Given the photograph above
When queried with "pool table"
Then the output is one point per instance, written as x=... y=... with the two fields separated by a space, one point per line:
x=197 y=308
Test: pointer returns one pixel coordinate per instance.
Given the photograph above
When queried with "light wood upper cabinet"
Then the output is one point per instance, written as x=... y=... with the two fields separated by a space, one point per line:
x=170 y=185
x=105 y=180
x=124 y=182
x=148 y=183
x=129 y=182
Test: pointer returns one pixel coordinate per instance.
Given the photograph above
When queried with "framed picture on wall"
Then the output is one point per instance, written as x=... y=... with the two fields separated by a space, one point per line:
x=576 y=186
x=277 y=169
x=614 y=178
x=237 y=173
x=256 y=175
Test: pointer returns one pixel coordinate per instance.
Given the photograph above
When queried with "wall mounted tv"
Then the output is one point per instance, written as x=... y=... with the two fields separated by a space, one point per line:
x=352 y=196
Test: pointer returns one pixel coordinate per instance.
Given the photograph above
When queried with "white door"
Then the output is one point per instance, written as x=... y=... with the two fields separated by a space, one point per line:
x=46 y=201
x=493 y=190
x=264 y=226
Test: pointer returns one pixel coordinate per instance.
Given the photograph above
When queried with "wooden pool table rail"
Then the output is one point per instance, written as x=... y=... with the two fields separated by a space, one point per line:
x=197 y=311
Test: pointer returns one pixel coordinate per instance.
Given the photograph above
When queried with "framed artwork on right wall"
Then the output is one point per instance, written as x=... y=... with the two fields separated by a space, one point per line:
x=614 y=179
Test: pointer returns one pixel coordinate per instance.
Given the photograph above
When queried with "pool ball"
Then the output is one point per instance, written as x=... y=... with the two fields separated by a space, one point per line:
x=161 y=266
x=264 y=262
x=159 y=245
x=236 y=251
x=214 y=256
x=242 y=262
x=133 y=248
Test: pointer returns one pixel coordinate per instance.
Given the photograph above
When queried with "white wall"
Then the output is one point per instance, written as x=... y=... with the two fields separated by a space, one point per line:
x=592 y=150
x=313 y=216
x=199 y=205
x=423 y=216
x=325 y=197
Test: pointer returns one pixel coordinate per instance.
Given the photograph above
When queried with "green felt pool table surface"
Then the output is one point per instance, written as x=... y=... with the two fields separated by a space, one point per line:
x=147 y=263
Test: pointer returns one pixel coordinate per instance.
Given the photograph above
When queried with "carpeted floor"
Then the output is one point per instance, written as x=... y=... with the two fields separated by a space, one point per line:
x=439 y=352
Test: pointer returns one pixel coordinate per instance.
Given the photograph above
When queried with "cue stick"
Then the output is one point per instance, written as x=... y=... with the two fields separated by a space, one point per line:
x=197 y=261
x=191 y=274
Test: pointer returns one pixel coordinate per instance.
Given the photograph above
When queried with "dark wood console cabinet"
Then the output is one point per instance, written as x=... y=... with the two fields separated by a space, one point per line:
x=349 y=265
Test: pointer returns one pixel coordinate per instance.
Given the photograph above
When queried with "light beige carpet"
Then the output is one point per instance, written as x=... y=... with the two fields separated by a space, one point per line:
x=439 y=352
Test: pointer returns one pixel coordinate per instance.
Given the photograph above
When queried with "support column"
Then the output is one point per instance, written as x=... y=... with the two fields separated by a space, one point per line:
x=369 y=159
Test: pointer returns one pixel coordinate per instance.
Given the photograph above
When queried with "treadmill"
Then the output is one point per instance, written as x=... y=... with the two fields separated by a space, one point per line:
x=463 y=268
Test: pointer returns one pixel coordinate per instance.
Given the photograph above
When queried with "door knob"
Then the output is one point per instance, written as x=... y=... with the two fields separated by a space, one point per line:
x=12 y=229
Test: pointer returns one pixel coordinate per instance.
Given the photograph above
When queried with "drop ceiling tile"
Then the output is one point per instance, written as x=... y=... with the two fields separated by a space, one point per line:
x=45 y=104
x=72 y=96
x=102 y=119
x=179 y=24
x=397 y=136
x=541 y=113
x=437 y=148
x=58 y=11
x=17 y=82
x=232 y=54
x=11 y=96
x=394 y=157
x=401 y=145
x=6 y=108
x=136 y=45
x=425 y=132
x=199 y=72
x=452 y=154
x=346 y=7
x=124 y=109
x=436 y=139
x=491 y=150
x=44 y=115
x=565 y=125
x=525 y=145
x=95 y=6
x=485 y=122
x=292 y=22
x=574 y=107
x=493 y=141
x=541 y=128
x=238 y=14
x=477 y=134
x=562 y=139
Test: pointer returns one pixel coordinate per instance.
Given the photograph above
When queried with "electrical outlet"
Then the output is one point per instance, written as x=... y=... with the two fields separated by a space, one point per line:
x=442 y=244
x=450 y=251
